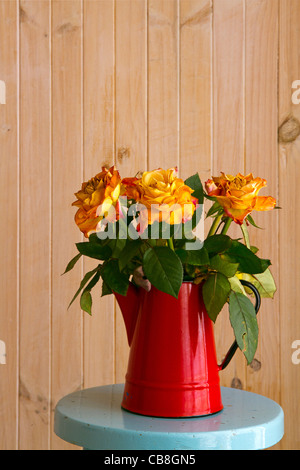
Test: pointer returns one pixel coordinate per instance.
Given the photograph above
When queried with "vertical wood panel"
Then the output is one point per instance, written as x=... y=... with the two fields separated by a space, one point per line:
x=35 y=210
x=9 y=230
x=142 y=84
x=228 y=86
x=131 y=116
x=289 y=174
x=261 y=160
x=195 y=88
x=67 y=347
x=98 y=81
x=163 y=83
x=228 y=138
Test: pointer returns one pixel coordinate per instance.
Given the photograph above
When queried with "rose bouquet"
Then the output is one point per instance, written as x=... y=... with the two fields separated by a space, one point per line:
x=145 y=230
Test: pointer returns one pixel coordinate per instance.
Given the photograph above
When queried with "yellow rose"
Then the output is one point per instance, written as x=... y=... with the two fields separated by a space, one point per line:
x=238 y=195
x=162 y=187
x=95 y=198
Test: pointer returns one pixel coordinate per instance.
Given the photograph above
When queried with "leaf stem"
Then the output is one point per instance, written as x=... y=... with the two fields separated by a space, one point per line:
x=245 y=234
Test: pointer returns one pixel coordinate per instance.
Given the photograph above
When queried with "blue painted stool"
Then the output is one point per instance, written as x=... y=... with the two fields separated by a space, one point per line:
x=93 y=419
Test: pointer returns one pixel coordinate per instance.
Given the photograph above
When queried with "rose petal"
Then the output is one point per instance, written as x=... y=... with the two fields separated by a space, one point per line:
x=265 y=203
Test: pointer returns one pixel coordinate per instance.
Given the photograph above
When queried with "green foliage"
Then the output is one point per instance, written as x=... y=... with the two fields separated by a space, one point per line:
x=72 y=263
x=114 y=278
x=219 y=264
x=244 y=323
x=194 y=182
x=94 y=250
x=216 y=290
x=163 y=268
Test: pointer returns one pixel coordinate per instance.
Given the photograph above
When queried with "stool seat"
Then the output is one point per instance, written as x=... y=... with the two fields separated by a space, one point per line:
x=93 y=419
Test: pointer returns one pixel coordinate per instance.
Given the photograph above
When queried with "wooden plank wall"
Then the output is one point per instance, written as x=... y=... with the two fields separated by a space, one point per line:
x=201 y=84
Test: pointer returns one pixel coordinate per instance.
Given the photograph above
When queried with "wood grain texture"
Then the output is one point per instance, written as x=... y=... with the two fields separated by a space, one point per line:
x=163 y=83
x=9 y=179
x=98 y=151
x=228 y=85
x=195 y=92
x=67 y=175
x=35 y=223
x=202 y=84
x=130 y=118
x=289 y=240
x=262 y=160
x=195 y=88
x=228 y=139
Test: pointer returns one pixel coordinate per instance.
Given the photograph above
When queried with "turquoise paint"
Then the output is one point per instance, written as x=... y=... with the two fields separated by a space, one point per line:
x=93 y=419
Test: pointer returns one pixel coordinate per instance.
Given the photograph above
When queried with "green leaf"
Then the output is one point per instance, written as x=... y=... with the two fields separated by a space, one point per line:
x=130 y=250
x=113 y=278
x=93 y=238
x=197 y=257
x=116 y=246
x=214 y=209
x=217 y=243
x=248 y=261
x=244 y=323
x=216 y=290
x=194 y=183
x=86 y=278
x=105 y=290
x=211 y=198
x=236 y=285
x=182 y=255
x=72 y=263
x=164 y=270
x=251 y=221
x=86 y=302
x=85 y=299
x=94 y=281
x=222 y=264
x=263 y=282
x=94 y=250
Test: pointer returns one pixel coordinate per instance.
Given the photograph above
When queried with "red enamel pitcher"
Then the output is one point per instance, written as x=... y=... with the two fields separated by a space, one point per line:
x=172 y=369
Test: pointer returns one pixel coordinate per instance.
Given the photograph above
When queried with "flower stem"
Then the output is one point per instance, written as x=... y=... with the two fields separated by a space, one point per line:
x=171 y=244
x=214 y=226
x=226 y=225
x=245 y=234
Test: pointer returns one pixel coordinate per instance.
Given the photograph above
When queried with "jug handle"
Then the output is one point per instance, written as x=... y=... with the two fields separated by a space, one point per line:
x=234 y=345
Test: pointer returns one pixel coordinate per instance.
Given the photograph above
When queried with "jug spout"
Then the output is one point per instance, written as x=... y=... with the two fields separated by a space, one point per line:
x=129 y=306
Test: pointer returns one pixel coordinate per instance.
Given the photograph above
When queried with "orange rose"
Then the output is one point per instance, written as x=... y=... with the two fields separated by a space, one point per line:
x=238 y=195
x=95 y=198
x=161 y=187
x=129 y=188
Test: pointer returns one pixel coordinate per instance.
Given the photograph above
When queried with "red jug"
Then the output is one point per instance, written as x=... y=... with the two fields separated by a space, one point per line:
x=172 y=369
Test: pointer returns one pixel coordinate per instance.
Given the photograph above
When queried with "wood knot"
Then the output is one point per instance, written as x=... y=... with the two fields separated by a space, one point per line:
x=255 y=365
x=66 y=28
x=289 y=130
x=26 y=18
x=123 y=152
x=236 y=383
